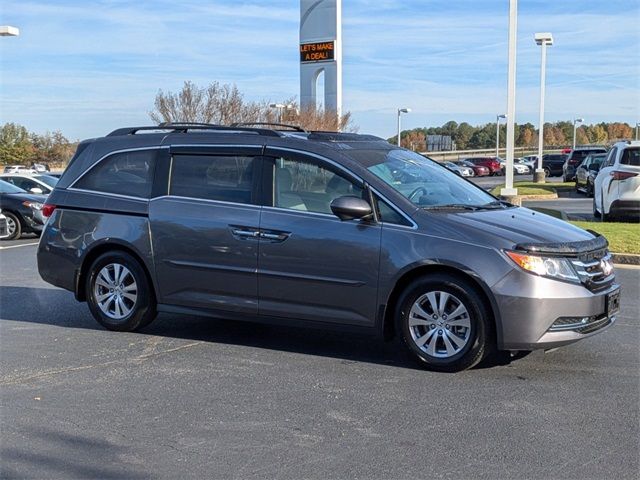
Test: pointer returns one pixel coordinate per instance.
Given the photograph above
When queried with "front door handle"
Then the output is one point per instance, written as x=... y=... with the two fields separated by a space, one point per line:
x=244 y=233
x=274 y=235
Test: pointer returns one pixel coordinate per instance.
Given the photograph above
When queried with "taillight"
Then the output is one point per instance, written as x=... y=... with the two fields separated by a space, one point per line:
x=617 y=175
x=47 y=210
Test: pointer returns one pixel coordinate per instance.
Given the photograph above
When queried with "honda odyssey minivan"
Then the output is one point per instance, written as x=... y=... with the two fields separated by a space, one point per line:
x=329 y=230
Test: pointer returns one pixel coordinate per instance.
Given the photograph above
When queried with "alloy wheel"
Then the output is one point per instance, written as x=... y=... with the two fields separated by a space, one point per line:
x=439 y=324
x=115 y=291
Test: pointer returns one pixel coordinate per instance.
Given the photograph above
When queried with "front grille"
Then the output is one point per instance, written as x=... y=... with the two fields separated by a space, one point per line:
x=595 y=270
x=582 y=325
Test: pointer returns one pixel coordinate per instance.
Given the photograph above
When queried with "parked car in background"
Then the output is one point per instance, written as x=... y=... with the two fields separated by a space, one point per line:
x=18 y=169
x=531 y=161
x=552 y=164
x=22 y=210
x=587 y=171
x=40 y=167
x=478 y=170
x=492 y=163
x=352 y=233
x=38 y=184
x=616 y=190
x=460 y=170
x=3 y=226
x=575 y=158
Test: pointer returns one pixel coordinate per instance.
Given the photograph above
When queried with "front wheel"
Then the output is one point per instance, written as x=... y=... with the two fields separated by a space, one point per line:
x=118 y=292
x=444 y=323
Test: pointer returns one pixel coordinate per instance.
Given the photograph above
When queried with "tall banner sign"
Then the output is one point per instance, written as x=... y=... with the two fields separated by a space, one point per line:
x=321 y=52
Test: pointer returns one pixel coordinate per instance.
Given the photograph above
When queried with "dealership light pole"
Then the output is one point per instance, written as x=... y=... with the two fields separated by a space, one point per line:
x=508 y=191
x=9 y=31
x=575 y=122
x=637 y=127
x=542 y=39
x=400 y=112
x=498 y=117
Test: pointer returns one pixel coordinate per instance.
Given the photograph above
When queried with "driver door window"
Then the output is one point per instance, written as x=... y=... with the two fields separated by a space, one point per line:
x=305 y=186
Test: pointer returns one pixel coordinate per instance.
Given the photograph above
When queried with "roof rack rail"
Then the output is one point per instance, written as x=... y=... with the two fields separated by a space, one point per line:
x=184 y=127
x=295 y=128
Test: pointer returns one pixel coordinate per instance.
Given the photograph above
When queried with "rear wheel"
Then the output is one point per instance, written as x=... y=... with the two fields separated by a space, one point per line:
x=606 y=217
x=118 y=292
x=14 y=229
x=547 y=172
x=444 y=323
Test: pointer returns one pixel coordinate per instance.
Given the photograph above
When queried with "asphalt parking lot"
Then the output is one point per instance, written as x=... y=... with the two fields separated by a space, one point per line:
x=194 y=397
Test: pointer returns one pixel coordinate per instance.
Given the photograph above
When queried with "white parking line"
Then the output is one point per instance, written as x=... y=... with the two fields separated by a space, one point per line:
x=18 y=246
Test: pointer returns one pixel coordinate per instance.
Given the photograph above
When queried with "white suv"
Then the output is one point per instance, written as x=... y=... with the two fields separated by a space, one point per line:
x=617 y=186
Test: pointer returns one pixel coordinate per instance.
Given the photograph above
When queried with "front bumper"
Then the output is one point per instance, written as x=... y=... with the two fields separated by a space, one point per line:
x=540 y=313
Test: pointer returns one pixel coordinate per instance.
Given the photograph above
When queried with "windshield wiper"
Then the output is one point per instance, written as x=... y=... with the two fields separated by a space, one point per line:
x=494 y=205
x=451 y=206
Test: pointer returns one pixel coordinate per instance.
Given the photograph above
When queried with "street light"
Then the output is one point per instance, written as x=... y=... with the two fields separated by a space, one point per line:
x=400 y=112
x=498 y=117
x=575 y=122
x=637 y=127
x=542 y=39
x=508 y=191
x=9 y=31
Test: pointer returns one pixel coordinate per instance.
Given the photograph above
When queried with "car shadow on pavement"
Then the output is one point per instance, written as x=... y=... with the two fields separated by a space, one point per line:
x=67 y=455
x=57 y=307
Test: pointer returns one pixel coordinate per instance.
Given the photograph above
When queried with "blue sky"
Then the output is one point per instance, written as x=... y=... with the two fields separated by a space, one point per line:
x=86 y=67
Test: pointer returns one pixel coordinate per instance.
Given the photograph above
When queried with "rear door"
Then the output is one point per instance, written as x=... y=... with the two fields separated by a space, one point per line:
x=205 y=229
x=313 y=266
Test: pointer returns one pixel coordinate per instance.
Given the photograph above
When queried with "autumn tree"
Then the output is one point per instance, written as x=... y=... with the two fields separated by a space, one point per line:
x=224 y=104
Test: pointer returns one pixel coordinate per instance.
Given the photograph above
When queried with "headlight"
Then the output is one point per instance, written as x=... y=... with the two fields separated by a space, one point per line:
x=552 y=267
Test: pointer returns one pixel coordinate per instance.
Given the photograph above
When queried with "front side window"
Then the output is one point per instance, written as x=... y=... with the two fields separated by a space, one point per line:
x=126 y=173
x=224 y=178
x=308 y=187
x=422 y=181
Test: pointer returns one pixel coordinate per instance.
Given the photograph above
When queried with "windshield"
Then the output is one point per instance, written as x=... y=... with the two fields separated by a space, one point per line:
x=6 y=187
x=51 y=181
x=423 y=181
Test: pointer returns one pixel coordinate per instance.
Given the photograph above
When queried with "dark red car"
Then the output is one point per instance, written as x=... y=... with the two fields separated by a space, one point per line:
x=478 y=170
x=490 y=162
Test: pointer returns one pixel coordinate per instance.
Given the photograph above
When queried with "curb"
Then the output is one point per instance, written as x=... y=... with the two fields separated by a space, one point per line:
x=626 y=258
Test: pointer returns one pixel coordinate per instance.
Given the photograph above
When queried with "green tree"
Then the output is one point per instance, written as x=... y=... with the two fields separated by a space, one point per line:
x=15 y=145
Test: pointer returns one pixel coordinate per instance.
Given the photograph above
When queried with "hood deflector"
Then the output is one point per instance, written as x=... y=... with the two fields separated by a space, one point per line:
x=570 y=248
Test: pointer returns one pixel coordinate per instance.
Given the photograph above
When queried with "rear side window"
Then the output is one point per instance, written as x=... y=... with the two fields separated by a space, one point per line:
x=126 y=173
x=631 y=156
x=213 y=177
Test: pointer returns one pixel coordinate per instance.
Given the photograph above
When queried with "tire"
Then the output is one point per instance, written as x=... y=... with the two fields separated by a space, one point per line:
x=577 y=186
x=14 y=228
x=547 y=172
x=596 y=213
x=118 y=310
x=589 y=190
x=606 y=217
x=444 y=349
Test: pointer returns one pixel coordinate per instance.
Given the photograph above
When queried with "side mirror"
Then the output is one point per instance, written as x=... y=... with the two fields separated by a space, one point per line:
x=349 y=207
x=36 y=190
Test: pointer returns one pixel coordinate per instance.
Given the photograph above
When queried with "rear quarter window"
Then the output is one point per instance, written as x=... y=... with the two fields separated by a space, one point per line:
x=631 y=156
x=125 y=173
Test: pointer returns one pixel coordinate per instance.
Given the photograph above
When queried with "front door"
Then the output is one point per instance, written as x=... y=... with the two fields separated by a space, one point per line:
x=312 y=266
x=205 y=231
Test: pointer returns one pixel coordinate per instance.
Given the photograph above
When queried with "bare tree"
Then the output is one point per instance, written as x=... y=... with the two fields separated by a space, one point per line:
x=224 y=104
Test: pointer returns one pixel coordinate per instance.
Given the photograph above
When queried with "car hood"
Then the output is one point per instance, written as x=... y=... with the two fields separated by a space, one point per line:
x=509 y=228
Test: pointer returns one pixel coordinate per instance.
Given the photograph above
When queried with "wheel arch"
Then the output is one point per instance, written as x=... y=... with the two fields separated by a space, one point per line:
x=107 y=247
x=387 y=327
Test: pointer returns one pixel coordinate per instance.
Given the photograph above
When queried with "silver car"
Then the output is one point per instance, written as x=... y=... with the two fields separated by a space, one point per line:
x=330 y=230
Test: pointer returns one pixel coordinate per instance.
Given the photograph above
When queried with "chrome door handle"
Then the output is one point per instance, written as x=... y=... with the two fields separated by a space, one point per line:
x=241 y=232
x=274 y=235
x=245 y=233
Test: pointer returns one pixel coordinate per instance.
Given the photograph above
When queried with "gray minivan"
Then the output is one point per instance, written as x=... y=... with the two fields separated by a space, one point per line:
x=331 y=230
